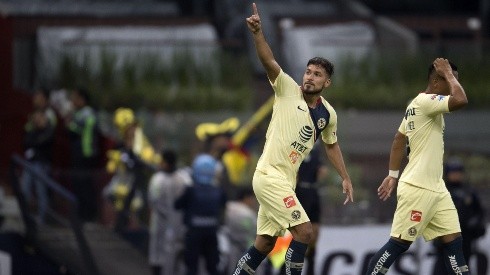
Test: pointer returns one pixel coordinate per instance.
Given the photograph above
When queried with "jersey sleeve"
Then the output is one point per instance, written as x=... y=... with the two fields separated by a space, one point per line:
x=402 y=129
x=284 y=85
x=432 y=104
x=329 y=134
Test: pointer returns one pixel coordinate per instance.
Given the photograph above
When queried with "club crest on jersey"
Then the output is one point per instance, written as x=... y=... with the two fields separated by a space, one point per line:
x=289 y=201
x=416 y=216
x=412 y=231
x=296 y=215
x=293 y=157
x=321 y=123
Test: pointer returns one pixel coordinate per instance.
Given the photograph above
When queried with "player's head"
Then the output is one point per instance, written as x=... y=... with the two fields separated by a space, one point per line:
x=205 y=169
x=317 y=75
x=437 y=83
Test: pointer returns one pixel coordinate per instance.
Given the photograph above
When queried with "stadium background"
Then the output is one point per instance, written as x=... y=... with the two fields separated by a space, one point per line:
x=185 y=62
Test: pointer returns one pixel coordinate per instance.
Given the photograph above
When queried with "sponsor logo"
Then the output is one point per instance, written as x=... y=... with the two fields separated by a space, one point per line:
x=299 y=108
x=321 y=123
x=293 y=157
x=379 y=264
x=241 y=263
x=440 y=98
x=289 y=202
x=305 y=133
x=409 y=112
x=299 y=147
x=412 y=231
x=454 y=264
x=296 y=215
x=416 y=216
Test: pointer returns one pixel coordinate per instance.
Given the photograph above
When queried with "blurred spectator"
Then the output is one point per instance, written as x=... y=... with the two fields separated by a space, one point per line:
x=203 y=204
x=470 y=211
x=216 y=142
x=38 y=150
x=241 y=225
x=131 y=164
x=84 y=145
x=166 y=225
x=40 y=101
x=310 y=171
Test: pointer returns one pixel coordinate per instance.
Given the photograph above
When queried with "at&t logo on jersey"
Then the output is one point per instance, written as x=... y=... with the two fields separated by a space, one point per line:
x=416 y=216
x=289 y=201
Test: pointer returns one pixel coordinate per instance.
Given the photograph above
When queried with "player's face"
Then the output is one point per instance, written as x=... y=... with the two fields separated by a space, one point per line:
x=315 y=79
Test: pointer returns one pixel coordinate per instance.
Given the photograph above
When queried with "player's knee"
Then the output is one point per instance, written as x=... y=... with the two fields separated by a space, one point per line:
x=265 y=244
x=303 y=233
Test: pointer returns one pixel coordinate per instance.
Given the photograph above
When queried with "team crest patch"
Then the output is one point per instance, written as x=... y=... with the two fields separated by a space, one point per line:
x=296 y=215
x=289 y=201
x=416 y=216
x=293 y=157
x=412 y=231
x=321 y=123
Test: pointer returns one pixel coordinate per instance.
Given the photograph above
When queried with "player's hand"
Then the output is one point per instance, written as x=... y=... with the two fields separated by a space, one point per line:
x=386 y=188
x=253 y=22
x=348 y=191
x=442 y=66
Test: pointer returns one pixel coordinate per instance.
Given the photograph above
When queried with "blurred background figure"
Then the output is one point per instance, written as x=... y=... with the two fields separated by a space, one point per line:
x=84 y=145
x=166 y=227
x=311 y=170
x=130 y=165
x=203 y=205
x=241 y=225
x=40 y=101
x=216 y=140
x=470 y=211
x=38 y=150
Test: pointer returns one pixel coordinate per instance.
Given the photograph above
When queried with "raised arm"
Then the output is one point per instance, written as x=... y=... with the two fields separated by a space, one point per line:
x=457 y=99
x=264 y=52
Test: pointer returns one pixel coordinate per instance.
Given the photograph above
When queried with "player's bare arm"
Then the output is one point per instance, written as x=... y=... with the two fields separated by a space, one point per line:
x=264 y=52
x=457 y=99
x=396 y=156
x=335 y=156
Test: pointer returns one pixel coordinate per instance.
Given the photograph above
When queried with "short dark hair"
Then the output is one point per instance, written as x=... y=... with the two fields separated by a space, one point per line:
x=432 y=69
x=170 y=157
x=323 y=62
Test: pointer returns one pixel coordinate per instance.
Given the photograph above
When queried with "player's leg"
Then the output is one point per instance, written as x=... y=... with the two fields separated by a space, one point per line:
x=295 y=255
x=445 y=225
x=452 y=245
x=405 y=228
x=249 y=262
x=386 y=256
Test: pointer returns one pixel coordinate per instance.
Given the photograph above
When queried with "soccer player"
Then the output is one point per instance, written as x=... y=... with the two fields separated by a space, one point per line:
x=424 y=203
x=300 y=116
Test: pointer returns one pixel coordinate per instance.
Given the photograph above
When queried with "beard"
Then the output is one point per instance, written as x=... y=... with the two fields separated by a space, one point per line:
x=311 y=90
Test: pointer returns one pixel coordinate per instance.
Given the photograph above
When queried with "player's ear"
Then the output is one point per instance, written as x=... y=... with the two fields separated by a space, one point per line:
x=327 y=83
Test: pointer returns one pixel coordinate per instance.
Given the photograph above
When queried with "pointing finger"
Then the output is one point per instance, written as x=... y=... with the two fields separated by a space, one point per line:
x=256 y=12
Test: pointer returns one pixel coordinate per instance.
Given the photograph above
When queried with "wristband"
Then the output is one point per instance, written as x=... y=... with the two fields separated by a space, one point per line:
x=394 y=173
